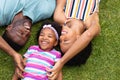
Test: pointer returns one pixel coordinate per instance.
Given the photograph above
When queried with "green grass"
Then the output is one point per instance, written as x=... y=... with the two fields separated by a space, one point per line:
x=104 y=62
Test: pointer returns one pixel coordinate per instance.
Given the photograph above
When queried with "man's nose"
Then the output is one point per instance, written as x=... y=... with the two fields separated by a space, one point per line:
x=26 y=32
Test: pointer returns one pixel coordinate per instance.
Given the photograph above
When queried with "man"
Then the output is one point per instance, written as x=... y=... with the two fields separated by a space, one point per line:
x=16 y=56
x=18 y=16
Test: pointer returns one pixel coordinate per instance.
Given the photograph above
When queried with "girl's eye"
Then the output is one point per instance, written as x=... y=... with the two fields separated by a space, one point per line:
x=41 y=34
x=50 y=36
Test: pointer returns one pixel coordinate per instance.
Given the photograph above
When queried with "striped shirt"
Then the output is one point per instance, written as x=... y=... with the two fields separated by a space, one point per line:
x=81 y=9
x=37 y=62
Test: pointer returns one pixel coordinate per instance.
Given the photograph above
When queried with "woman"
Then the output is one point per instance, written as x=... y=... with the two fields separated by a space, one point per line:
x=91 y=25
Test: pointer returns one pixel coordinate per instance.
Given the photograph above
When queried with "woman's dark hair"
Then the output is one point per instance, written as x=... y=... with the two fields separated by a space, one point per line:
x=81 y=57
x=55 y=25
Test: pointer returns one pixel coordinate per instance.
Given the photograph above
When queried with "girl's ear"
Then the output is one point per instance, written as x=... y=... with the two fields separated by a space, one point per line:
x=56 y=42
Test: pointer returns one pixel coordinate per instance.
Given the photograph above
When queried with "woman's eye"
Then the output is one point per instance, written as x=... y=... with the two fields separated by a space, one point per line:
x=69 y=25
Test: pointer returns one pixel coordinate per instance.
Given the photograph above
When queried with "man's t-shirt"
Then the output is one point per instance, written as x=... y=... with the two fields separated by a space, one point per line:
x=35 y=9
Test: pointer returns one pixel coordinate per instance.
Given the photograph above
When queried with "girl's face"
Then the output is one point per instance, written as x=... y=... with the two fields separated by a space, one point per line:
x=47 y=39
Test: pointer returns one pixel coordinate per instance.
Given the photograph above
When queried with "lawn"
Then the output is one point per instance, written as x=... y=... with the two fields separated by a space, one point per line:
x=104 y=62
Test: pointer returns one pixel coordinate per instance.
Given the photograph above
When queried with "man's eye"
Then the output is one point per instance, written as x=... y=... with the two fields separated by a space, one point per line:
x=22 y=33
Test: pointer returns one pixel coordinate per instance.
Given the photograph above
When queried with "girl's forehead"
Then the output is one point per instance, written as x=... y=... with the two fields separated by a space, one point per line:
x=47 y=30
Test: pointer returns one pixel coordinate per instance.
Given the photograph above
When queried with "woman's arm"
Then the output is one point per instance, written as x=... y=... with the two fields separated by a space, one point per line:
x=60 y=77
x=93 y=30
x=93 y=26
x=59 y=15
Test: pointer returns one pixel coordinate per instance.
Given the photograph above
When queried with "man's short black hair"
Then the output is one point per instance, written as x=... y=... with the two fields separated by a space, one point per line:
x=14 y=45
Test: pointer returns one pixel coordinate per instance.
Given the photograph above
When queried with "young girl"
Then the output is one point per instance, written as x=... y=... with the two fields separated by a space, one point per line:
x=42 y=56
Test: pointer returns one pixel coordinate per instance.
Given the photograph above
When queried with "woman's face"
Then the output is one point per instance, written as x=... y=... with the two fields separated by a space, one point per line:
x=70 y=33
x=19 y=31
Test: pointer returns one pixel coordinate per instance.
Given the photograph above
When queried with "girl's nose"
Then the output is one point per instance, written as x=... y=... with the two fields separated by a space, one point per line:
x=44 y=37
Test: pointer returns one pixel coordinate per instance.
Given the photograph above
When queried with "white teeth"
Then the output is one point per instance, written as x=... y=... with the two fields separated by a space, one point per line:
x=44 y=42
x=63 y=32
x=26 y=26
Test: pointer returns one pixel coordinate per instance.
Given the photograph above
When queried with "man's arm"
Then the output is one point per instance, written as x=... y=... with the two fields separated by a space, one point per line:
x=16 y=56
x=5 y=47
x=59 y=15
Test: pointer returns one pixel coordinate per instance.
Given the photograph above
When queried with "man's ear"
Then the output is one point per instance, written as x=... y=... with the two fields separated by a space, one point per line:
x=9 y=27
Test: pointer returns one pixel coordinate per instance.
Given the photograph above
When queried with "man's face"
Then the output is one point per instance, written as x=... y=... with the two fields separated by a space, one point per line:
x=70 y=32
x=19 y=31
